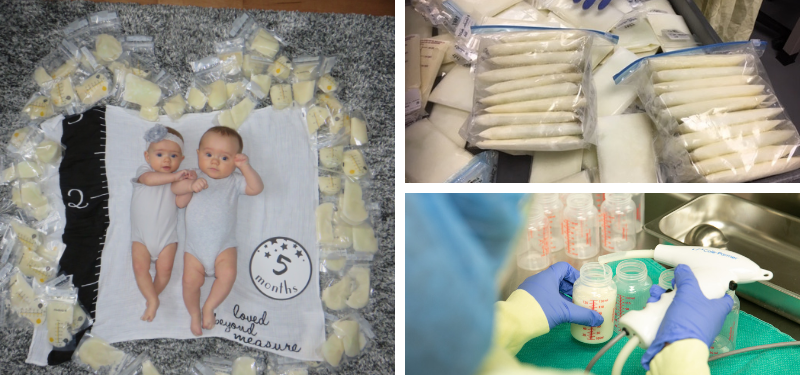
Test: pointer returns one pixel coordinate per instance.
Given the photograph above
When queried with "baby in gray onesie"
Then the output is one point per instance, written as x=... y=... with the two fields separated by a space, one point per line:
x=211 y=220
x=154 y=213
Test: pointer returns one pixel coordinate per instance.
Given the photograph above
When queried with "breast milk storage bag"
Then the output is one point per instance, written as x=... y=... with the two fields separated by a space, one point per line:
x=716 y=114
x=533 y=89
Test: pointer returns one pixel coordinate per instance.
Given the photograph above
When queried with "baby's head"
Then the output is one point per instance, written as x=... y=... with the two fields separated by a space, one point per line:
x=218 y=147
x=164 y=148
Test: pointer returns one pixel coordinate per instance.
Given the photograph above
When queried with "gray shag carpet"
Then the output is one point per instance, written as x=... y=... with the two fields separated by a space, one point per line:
x=29 y=29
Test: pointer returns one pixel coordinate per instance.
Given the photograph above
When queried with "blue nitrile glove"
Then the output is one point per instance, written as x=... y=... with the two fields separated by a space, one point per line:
x=588 y=3
x=546 y=287
x=455 y=245
x=690 y=316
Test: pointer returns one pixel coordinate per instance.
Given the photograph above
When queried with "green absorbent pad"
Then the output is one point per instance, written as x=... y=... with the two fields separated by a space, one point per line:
x=558 y=349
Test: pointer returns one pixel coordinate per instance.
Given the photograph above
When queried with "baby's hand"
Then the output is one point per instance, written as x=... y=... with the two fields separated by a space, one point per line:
x=183 y=175
x=240 y=160
x=192 y=175
x=199 y=185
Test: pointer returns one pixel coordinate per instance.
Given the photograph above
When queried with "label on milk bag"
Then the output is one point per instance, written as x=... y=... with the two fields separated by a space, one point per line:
x=673 y=34
x=413 y=100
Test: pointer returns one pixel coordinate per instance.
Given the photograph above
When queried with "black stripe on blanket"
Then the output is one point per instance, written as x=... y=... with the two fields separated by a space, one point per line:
x=84 y=188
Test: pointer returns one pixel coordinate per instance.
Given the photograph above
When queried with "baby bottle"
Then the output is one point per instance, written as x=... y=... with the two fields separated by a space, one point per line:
x=618 y=217
x=633 y=289
x=665 y=279
x=535 y=255
x=726 y=339
x=638 y=200
x=579 y=227
x=595 y=289
x=553 y=209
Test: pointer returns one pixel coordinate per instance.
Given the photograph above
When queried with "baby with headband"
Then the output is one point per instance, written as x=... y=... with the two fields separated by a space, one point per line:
x=154 y=212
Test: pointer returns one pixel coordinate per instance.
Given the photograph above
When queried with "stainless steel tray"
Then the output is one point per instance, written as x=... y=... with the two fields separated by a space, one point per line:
x=768 y=237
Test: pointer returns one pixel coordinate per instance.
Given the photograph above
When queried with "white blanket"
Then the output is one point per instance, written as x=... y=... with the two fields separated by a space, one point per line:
x=259 y=312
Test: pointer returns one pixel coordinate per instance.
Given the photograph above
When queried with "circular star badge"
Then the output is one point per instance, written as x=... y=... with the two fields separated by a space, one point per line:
x=280 y=268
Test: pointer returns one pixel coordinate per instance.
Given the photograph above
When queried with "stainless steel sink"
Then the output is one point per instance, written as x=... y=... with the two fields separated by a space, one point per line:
x=769 y=237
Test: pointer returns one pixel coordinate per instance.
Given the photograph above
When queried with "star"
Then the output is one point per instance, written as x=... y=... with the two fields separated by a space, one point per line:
x=284 y=246
x=299 y=254
x=295 y=246
x=267 y=254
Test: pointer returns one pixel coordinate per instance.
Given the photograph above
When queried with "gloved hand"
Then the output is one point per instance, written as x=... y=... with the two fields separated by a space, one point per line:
x=546 y=287
x=588 y=3
x=690 y=316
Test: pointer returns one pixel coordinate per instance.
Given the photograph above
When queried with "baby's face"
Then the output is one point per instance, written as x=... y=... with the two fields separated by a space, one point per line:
x=215 y=155
x=164 y=156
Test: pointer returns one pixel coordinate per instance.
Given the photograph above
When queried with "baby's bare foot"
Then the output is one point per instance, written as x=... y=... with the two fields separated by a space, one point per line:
x=208 y=319
x=150 y=311
x=195 y=326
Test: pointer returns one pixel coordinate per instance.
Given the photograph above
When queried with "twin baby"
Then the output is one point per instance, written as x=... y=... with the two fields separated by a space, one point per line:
x=210 y=196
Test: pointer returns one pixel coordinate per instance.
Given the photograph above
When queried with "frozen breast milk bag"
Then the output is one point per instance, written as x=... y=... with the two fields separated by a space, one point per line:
x=536 y=58
x=303 y=91
x=532 y=131
x=107 y=47
x=557 y=103
x=508 y=74
x=33 y=265
x=696 y=61
x=244 y=366
x=29 y=237
x=280 y=68
x=264 y=81
x=558 y=89
x=364 y=239
x=217 y=94
x=727 y=146
x=698 y=139
x=39 y=108
x=715 y=106
x=332 y=350
x=149 y=369
x=700 y=73
x=235 y=89
x=141 y=91
x=734 y=80
x=97 y=353
x=520 y=84
x=360 y=295
x=330 y=185
x=430 y=155
x=333 y=104
x=265 y=44
x=613 y=99
x=553 y=166
x=325 y=222
x=738 y=160
x=59 y=322
x=196 y=99
x=93 y=89
x=710 y=122
x=348 y=331
x=29 y=169
x=675 y=98
x=30 y=194
x=625 y=148
x=242 y=110
x=62 y=93
x=431 y=55
x=448 y=121
x=149 y=113
x=281 y=96
x=331 y=157
x=41 y=76
x=23 y=300
x=175 y=106
x=224 y=118
x=757 y=171
x=335 y=296
x=327 y=83
x=353 y=209
x=353 y=163
x=358 y=131
x=316 y=117
x=455 y=90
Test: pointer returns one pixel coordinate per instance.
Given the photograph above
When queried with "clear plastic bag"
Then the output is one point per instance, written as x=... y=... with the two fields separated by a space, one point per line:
x=140 y=44
x=280 y=365
x=237 y=363
x=58 y=64
x=141 y=365
x=172 y=103
x=60 y=314
x=350 y=290
x=332 y=260
x=348 y=337
x=38 y=108
x=481 y=169
x=305 y=72
x=327 y=83
x=78 y=32
x=240 y=108
x=359 y=129
x=258 y=39
x=97 y=356
x=232 y=49
x=533 y=89
x=22 y=299
x=716 y=114
x=281 y=68
x=210 y=81
x=331 y=230
x=92 y=87
x=330 y=183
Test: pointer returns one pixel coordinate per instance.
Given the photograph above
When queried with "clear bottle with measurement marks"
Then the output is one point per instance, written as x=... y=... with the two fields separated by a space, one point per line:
x=536 y=254
x=633 y=288
x=596 y=290
x=553 y=210
x=618 y=222
x=579 y=227
x=638 y=200
x=726 y=339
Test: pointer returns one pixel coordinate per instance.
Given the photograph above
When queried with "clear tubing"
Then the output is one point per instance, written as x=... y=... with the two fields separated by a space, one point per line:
x=633 y=289
x=580 y=227
x=623 y=355
x=665 y=279
x=595 y=289
x=618 y=222
x=553 y=209
x=726 y=339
